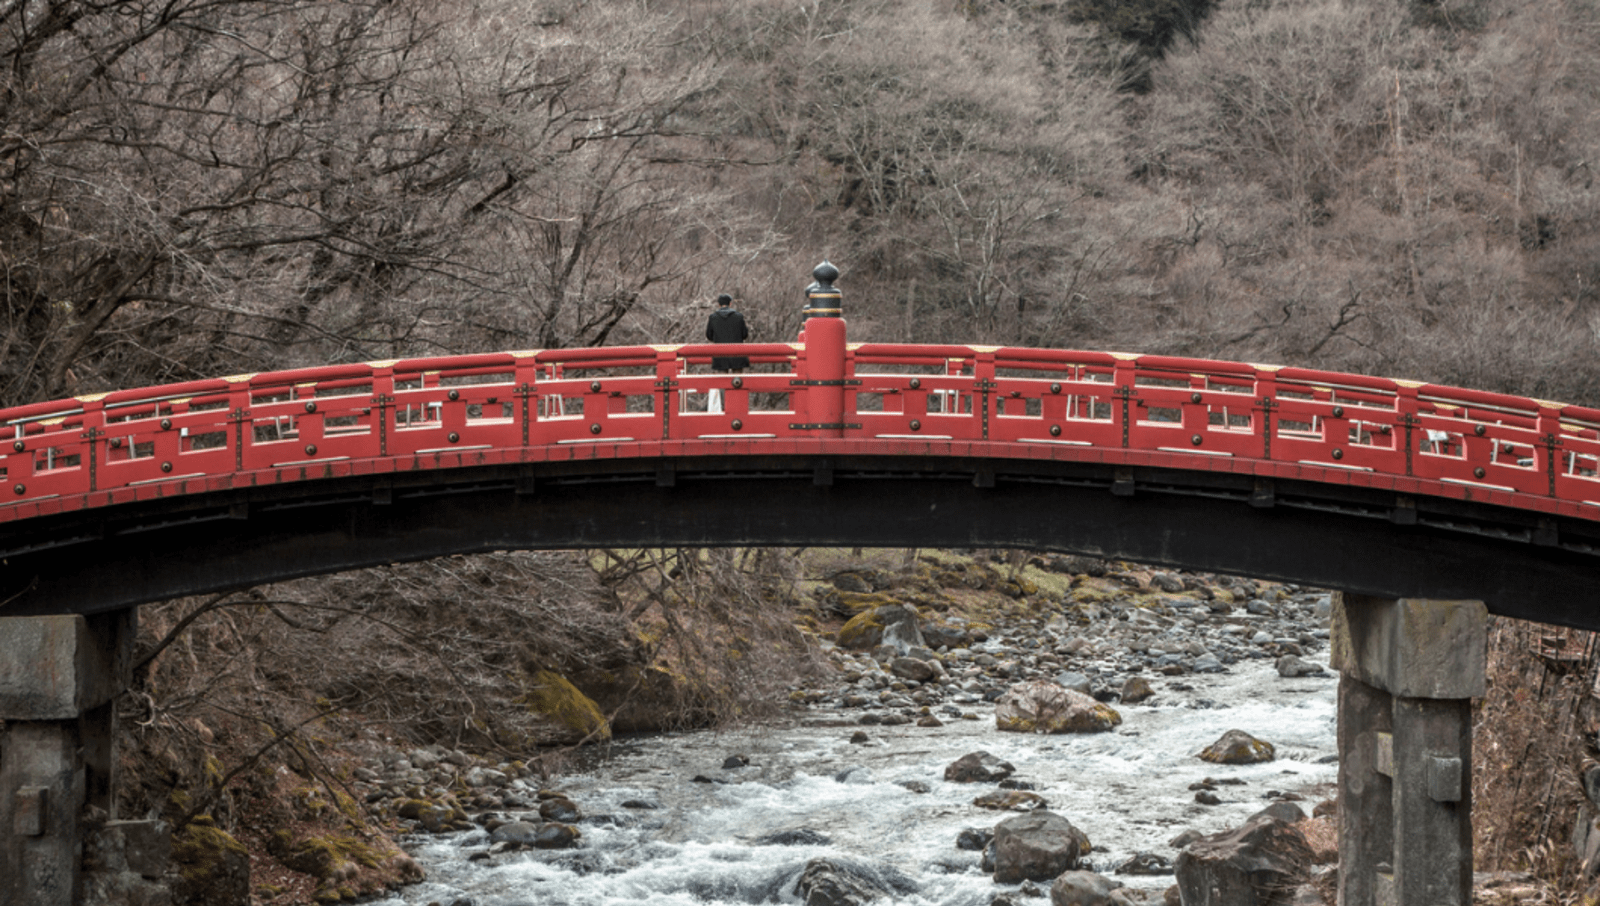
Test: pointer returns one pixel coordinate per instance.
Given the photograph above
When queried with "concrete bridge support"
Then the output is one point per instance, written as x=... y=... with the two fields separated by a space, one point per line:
x=59 y=676
x=1409 y=669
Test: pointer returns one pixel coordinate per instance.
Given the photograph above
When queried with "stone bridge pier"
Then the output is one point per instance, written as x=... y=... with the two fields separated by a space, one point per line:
x=59 y=678
x=1409 y=669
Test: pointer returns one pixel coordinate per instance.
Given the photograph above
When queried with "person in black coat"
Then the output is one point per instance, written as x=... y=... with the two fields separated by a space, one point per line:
x=727 y=326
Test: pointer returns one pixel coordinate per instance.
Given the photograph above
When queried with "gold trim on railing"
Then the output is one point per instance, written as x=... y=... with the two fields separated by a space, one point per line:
x=241 y=378
x=92 y=397
x=382 y=363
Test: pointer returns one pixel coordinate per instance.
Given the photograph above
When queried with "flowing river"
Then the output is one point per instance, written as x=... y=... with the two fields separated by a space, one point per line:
x=702 y=841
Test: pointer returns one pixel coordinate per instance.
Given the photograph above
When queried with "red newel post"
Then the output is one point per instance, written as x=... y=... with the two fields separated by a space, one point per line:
x=823 y=333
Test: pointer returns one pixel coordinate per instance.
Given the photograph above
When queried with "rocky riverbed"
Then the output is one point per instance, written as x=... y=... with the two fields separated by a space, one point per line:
x=857 y=794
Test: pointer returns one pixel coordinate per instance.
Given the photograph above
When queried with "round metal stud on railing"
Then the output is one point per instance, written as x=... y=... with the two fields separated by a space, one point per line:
x=311 y=449
x=594 y=428
x=1478 y=472
x=20 y=489
x=738 y=382
x=116 y=443
x=454 y=395
x=1195 y=397
x=1055 y=387
x=1338 y=453
x=19 y=446
x=1478 y=430
x=916 y=383
x=916 y=425
x=166 y=467
x=166 y=424
x=1338 y=412
x=454 y=437
x=594 y=386
x=1055 y=430
x=737 y=424
x=1197 y=440
x=311 y=406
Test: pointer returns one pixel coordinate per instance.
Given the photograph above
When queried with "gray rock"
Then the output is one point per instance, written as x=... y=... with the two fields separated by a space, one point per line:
x=1036 y=847
x=1291 y=666
x=974 y=839
x=1235 y=866
x=1136 y=689
x=1074 y=681
x=912 y=669
x=1084 y=888
x=978 y=767
x=839 y=882
x=518 y=833
x=559 y=809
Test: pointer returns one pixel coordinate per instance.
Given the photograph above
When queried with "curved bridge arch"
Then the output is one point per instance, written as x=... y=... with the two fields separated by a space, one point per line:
x=1383 y=487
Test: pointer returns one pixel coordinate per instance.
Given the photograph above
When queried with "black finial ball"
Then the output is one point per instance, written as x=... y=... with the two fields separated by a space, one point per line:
x=825 y=272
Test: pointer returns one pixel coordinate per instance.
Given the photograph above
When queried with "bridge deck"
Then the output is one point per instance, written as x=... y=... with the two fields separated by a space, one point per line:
x=1386 y=487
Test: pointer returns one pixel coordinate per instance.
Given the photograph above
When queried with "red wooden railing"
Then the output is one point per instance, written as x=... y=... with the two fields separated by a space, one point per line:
x=819 y=396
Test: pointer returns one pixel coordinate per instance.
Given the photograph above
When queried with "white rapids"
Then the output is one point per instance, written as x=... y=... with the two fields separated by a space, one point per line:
x=1127 y=789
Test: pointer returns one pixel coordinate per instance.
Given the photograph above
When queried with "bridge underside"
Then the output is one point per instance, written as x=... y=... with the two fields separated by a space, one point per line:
x=1357 y=540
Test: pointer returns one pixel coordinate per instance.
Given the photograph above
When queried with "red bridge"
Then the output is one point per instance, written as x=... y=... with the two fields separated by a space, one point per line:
x=1427 y=505
x=1368 y=484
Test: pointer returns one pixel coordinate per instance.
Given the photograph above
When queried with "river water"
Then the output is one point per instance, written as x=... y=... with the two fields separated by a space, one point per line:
x=1128 y=789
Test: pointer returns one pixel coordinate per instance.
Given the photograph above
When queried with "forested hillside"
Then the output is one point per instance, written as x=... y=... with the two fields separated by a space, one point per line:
x=203 y=187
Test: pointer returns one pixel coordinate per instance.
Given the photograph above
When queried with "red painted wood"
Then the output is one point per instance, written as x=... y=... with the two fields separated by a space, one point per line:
x=920 y=400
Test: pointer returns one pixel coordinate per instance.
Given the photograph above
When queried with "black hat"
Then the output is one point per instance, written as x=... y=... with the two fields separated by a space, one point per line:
x=724 y=299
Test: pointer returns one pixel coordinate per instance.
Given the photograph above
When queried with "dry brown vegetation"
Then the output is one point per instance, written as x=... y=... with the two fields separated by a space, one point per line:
x=210 y=186
x=192 y=188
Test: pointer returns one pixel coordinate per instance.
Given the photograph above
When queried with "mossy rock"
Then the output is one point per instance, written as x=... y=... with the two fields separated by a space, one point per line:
x=554 y=697
x=323 y=857
x=1238 y=747
x=213 y=868
x=1098 y=719
x=862 y=632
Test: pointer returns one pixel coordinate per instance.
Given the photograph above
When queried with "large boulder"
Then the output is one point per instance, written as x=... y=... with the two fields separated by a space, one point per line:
x=978 y=767
x=837 y=882
x=1036 y=847
x=1261 y=863
x=1040 y=706
x=894 y=625
x=1238 y=747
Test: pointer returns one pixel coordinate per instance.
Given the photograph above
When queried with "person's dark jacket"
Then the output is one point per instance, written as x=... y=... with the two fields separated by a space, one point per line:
x=727 y=326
